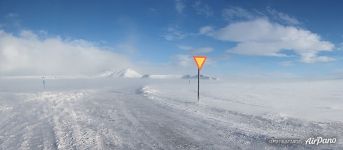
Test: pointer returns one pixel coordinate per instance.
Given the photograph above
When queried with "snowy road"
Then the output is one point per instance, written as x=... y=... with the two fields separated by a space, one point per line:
x=138 y=117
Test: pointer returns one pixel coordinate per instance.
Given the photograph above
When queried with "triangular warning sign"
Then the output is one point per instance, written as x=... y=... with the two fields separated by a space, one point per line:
x=199 y=60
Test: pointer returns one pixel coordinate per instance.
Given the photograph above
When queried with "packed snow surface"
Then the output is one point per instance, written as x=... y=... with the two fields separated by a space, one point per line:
x=126 y=113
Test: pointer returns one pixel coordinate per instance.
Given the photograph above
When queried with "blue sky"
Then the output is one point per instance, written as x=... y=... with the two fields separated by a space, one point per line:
x=292 y=38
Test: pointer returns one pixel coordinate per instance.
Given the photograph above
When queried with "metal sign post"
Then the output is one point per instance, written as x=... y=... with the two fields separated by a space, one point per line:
x=199 y=60
x=198 y=83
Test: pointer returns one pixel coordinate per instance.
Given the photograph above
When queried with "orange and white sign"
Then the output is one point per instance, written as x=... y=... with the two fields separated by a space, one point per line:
x=199 y=60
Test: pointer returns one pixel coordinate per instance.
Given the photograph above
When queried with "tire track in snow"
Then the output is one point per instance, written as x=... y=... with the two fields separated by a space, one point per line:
x=116 y=123
x=139 y=129
x=69 y=124
x=48 y=120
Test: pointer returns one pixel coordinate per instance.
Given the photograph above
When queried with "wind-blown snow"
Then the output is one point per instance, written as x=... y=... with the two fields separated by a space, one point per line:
x=107 y=113
x=203 y=77
x=175 y=76
x=167 y=76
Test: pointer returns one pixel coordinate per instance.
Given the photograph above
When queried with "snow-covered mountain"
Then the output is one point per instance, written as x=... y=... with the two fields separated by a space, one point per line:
x=124 y=73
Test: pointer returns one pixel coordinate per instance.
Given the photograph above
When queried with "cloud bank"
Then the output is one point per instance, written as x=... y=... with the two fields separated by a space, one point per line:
x=30 y=54
x=264 y=38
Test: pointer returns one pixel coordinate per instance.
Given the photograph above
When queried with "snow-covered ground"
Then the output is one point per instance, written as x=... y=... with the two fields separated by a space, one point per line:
x=133 y=113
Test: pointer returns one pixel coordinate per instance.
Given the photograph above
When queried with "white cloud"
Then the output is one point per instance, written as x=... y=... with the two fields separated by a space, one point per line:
x=179 y=6
x=184 y=60
x=206 y=30
x=174 y=33
x=202 y=9
x=262 y=37
x=29 y=54
x=127 y=47
x=237 y=13
x=311 y=57
x=339 y=46
x=283 y=17
x=286 y=63
x=200 y=50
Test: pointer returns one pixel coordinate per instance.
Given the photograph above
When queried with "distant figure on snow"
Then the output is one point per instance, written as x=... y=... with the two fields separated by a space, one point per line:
x=43 y=82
